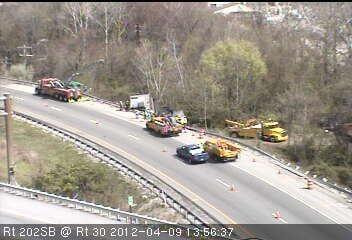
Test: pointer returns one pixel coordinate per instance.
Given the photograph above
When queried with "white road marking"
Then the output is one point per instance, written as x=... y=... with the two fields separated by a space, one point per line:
x=340 y=205
x=18 y=98
x=136 y=138
x=279 y=218
x=15 y=213
x=302 y=201
x=223 y=183
x=57 y=109
x=276 y=188
x=106 y=112
x=95 y=122
x=18 y=87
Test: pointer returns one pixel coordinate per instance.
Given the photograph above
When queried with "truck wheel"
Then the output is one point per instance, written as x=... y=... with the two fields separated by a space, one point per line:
x=56 y=96
x=272 y=139
x=60 y=97
x=37 y=91
x=235 y=134
x=65 y=99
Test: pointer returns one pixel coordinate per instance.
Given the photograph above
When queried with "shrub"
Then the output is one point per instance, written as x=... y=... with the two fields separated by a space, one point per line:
x=323 y=169
x=344 y=176
x=20 y=71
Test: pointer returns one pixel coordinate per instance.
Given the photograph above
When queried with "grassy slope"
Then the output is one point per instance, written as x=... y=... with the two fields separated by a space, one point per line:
x=325 y=163
x=45 y=162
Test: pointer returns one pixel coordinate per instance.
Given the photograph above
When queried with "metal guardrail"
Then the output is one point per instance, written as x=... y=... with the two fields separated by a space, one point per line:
x=26 y=82
x=18 y=80
x=100 y=153
x=194 y=213
x=103 y=100
x=120 y=216
x=323 y=182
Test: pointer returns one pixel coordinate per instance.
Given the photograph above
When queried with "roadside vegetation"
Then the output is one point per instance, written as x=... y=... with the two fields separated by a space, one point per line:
x=295 y=71
x=46 y=163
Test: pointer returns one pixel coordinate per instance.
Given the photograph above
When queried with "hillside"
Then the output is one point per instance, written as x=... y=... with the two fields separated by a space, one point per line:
x=295 y=69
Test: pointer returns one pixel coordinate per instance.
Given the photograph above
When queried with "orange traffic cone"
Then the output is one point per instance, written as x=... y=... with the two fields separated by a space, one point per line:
x=309 y=184
x=277 y=214
x=232 y=188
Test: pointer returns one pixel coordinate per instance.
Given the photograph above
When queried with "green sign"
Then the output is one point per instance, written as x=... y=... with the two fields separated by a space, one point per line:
x=130 y=200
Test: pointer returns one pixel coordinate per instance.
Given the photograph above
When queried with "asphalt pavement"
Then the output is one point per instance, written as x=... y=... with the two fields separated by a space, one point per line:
x=253 y=203
x=21 y=210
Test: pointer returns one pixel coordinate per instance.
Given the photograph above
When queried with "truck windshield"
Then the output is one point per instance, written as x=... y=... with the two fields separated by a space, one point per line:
x=57 y=84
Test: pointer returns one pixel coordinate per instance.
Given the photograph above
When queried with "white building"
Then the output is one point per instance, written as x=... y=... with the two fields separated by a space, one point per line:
x=234 y=9
x=217 y=4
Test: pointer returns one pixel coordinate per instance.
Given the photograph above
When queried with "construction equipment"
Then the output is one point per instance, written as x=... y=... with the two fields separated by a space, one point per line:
x=222 y=150
x=67 y=90
x=53 y=87
x=164 y=126
x=178 y=115
x=272 y=132
x=70 y=83
x=252 y=128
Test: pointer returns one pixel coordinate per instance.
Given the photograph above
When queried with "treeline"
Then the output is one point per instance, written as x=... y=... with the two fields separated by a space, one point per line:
x=211 y=66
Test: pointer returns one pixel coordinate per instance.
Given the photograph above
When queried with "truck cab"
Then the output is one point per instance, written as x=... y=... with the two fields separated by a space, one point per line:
x=53 y=87
x=164 y=126
x=221 y=150
x=274 y=133
x=268 y=130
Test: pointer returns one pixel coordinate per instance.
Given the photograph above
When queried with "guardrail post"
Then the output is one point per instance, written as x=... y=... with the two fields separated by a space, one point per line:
x=8 y=125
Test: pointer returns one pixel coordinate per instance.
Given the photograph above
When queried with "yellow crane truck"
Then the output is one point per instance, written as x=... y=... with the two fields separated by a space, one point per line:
x=164 y=126
x=266 y=130
x=221 y=150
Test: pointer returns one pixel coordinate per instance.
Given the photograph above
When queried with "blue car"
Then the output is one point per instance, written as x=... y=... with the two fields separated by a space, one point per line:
x=192 y=153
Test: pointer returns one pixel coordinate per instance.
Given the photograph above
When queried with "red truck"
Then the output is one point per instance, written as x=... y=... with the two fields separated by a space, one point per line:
x=53 y=87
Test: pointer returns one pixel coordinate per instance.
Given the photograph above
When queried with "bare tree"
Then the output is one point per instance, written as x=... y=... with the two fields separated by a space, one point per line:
x=79 y=18
x=171 y=38
x=108 y=15
x=155 y=65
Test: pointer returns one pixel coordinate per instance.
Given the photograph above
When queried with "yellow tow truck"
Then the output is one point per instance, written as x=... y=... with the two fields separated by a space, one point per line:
x=222 y=150
x=266 y=130
x=164 y=126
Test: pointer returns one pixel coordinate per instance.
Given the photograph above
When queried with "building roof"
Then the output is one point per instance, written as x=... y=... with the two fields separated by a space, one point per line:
x=238 y=8
x=218 y=3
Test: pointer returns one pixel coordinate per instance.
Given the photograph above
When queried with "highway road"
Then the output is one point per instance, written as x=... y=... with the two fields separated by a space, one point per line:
x=20 y=210
x=254 y=204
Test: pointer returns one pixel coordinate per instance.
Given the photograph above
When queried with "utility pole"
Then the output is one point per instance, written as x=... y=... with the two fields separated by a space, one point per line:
x=205 y=110
x=8 y=61
x=138 y=30
x=25 y=54
x=8 y=126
